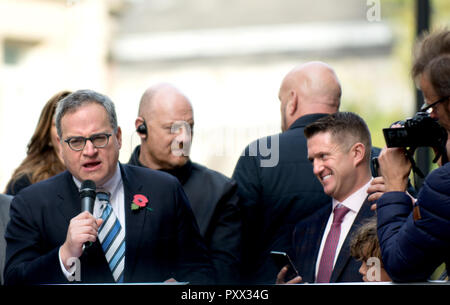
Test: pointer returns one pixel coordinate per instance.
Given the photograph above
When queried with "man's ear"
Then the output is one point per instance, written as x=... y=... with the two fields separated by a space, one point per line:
x=59 y=149
x=119 y=137
x=358 y=151
x=292 y=103
x=137 y=123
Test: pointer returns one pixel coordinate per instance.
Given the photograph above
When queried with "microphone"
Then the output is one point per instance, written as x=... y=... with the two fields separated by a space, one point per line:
x=87 y=195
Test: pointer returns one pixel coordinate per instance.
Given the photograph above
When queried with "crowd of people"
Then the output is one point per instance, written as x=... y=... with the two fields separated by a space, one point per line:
x=165 y=218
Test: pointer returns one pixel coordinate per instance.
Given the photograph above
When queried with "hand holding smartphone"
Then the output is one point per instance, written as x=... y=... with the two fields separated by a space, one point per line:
x=281 y=259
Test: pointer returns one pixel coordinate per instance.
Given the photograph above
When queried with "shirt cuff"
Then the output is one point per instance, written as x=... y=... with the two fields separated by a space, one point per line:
x=69 y=274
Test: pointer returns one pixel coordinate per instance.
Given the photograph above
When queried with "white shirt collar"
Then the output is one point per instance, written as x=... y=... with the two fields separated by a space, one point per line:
x=355 y=201
x=111 y=185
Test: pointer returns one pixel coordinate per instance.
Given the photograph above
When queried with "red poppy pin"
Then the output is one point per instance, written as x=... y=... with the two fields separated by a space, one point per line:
x=140 y=201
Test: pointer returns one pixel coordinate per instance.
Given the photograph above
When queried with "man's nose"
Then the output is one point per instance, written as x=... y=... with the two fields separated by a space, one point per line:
x=89 y=149
x=183 y=136
x=317 y=167
x=433 y=114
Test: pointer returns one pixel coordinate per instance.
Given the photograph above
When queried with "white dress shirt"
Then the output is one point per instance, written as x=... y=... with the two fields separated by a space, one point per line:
x=117 y=199
x=354 y=202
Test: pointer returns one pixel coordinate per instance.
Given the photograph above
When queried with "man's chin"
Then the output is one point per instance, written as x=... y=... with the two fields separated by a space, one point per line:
x=98 y=178
x=180 y=161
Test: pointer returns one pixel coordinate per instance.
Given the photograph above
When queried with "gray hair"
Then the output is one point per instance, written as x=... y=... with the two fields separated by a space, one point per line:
x=78 y=98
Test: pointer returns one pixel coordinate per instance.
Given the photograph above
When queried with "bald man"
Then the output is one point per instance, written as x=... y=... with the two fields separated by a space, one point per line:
x=275 y=198
x=309 y=88
x=165 y=125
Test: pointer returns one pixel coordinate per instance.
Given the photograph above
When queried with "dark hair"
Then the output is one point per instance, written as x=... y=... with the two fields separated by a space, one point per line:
x=41 y=161
x=439 y=74
x=432 y=56
x=347 y=128
x=81 y=97
x=364 y=242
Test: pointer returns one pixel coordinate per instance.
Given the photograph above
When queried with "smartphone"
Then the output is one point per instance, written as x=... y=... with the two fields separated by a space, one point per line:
x=281 y=259
x=376 y=166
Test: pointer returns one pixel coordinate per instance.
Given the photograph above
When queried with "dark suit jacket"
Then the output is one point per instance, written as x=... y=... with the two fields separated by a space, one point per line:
x=160 y=244
x=4 y=218
x=214 y=201
x=307 y=237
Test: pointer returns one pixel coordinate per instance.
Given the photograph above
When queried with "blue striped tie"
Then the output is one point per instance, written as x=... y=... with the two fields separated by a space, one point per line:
x=112 y=237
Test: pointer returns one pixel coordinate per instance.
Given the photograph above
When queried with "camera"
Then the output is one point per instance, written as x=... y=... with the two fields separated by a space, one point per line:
x=420 y=130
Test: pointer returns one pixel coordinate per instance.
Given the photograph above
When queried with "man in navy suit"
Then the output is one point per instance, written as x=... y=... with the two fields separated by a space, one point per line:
x=47 y=233
x=339 y=147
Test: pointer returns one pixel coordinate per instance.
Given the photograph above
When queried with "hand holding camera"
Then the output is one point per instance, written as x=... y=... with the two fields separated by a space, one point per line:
x=420 y=130
x=402 y=139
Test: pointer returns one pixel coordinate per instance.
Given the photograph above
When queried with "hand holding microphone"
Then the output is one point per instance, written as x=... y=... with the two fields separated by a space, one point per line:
x=83 y=228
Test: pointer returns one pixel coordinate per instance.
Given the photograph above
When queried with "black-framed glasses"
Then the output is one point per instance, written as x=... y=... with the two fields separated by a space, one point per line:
x=99 y=140
x=429 y=108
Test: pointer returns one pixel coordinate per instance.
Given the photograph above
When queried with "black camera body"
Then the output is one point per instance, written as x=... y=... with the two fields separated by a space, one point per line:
x=420 y=130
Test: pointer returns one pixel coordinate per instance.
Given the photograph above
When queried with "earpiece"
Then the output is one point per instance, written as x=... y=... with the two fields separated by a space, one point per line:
x=142 y=129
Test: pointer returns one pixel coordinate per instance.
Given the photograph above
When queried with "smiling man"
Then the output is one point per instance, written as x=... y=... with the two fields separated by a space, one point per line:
x=339 y=147
x=47 y=234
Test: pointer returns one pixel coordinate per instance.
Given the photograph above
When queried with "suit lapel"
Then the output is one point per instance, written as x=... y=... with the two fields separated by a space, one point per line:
x=135 y=220
x=310 y=244
x=318 y=240
x=344 y=255
x=68 y=195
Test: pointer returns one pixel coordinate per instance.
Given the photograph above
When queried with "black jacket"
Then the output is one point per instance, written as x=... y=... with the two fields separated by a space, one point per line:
x=19 y=184
x=275 y=198
x=412 y=247
x=214 y=201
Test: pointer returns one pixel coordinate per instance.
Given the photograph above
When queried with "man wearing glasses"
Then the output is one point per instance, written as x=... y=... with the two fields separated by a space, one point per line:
x=415 y=236
x=142 y=230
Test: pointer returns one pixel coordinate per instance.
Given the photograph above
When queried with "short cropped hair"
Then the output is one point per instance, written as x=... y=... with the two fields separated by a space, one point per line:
x=432 y=56
x=77 y=99
x=364 y=243
x=347 y=129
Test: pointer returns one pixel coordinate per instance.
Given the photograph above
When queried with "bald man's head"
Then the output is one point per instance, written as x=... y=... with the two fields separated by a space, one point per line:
x=309 y=88
x=161 y=95
x=168 y=116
